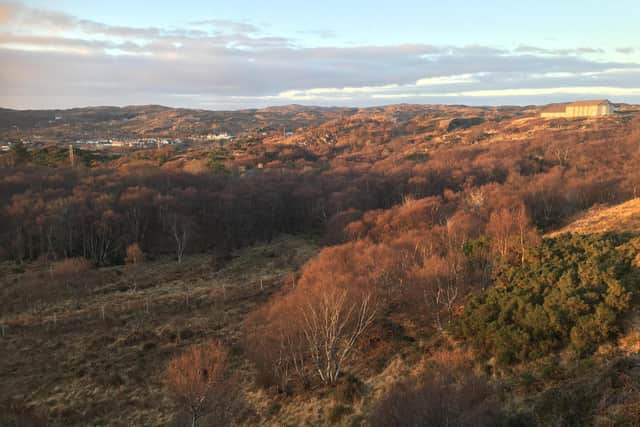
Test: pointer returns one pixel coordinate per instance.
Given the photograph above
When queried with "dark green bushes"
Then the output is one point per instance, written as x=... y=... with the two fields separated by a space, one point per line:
x=571 y=294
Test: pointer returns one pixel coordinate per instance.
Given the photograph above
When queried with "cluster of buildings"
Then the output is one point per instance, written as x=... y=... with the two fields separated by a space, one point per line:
x=219 y=137
x=132 y=143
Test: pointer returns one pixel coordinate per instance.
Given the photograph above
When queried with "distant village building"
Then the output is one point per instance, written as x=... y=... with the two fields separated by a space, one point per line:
x=219 y=137
x=579 y=109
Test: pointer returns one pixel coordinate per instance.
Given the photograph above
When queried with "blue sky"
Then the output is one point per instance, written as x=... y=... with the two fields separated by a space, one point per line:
x=228 y=55
x=566 y=23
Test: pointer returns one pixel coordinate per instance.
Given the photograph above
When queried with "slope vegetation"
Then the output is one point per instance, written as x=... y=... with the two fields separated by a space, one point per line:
x=624 y=217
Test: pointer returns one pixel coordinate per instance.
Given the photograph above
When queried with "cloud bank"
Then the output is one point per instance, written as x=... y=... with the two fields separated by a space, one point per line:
x=51 y=59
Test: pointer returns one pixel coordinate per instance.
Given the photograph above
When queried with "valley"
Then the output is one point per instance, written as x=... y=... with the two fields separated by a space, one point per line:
x=445 y=227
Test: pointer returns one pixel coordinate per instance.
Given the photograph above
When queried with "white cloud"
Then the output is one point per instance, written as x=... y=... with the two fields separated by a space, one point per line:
x=318 y=93
x=328 y=93
x=447 y=80
x=522 y=92
x=555 y=75
x=575 y=90
x=50 y=59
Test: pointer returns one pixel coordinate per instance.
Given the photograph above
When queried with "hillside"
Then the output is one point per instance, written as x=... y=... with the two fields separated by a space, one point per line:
x=422 y=126
x=153 y=121
x=624 y=217
x=99 y=342
x=427 y=221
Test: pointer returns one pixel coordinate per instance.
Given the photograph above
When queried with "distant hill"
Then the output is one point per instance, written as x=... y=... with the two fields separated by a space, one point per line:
x=159 y=121
x=415 y=126
x=155 y=121
x=601 y=219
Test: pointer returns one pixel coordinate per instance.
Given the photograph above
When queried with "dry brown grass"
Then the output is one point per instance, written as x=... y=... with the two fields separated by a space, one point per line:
x=96 y=358
x=601 y=219
x=70 y=267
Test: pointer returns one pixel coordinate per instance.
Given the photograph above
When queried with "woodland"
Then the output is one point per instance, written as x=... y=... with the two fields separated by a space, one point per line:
x=433 y=252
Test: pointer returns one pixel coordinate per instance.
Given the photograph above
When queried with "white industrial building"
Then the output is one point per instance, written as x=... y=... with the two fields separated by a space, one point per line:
x=579 y=109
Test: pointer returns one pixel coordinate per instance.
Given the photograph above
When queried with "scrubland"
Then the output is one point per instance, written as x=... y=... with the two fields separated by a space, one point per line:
x=405 y=265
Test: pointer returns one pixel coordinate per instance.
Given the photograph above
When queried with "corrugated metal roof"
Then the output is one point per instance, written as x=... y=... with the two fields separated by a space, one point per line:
x=590 y=103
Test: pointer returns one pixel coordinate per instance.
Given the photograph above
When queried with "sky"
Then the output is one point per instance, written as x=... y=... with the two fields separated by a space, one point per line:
x=213 y=54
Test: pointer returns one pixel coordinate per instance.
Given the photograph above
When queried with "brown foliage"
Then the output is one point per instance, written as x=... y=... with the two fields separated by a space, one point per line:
x=135 y=255
x=439 y=401
x=85 y=212
x=512 y=233
x=201 y=386
x=309 y=331
x=273 y=342
x=418 y=220
x=70 y=267
x=336 y=226
x=333 y=321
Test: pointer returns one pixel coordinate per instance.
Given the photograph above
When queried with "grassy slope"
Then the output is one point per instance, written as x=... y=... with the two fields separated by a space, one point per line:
x=69 y=363
x=624 y=217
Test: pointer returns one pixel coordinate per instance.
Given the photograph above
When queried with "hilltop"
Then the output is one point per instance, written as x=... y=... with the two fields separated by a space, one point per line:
x=154 y=121
x=624 y=217
x=292 y=124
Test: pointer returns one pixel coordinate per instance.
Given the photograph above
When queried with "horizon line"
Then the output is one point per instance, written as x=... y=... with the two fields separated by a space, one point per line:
x=310 y=106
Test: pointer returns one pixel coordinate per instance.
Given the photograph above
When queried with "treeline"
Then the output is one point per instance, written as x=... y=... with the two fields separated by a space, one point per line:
x=97 y=212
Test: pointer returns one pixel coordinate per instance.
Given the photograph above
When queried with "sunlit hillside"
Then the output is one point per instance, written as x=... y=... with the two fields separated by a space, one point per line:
x=624 y=217
x=431 y=241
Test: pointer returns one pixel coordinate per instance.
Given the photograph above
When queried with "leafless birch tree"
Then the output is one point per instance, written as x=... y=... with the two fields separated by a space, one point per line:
x=333 y=322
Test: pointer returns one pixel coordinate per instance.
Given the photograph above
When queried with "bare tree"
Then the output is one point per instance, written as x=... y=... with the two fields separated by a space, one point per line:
x=512 y=232
x=500 y=230
x=562 y=155
x=333 y=322
x=137 y=205
x=180 y=229
x=200 y=383
x=442 y=286
x=275 y=344
x=527 y=235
